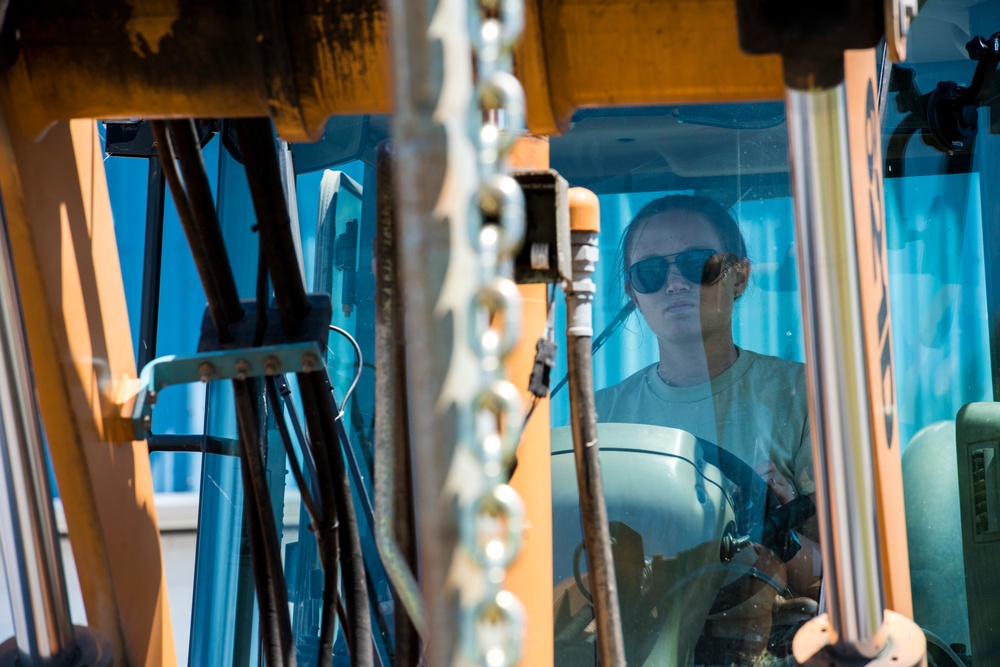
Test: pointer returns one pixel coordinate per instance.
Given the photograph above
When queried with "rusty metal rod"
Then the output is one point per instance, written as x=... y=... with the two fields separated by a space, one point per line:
x=585 y=225
x=394 y=532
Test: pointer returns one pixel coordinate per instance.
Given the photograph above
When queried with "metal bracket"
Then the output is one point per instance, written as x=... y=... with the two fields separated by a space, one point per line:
x=218 y=365
x=815 y=645
x=546 y=256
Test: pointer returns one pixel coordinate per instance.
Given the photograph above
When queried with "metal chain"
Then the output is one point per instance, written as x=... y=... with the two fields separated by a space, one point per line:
x=492 y=523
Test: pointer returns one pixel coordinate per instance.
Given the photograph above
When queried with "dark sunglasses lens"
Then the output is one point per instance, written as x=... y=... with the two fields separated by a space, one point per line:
x=648 y=275
x=700 y=266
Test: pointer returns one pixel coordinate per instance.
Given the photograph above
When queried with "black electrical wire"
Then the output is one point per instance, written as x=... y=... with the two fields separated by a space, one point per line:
x=188 y=150
x=202 y=261
x=601 y=339
x=286 y=396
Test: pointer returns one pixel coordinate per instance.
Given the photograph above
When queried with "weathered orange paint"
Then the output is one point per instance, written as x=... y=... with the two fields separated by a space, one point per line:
x=89 y=60
x=59 y=218
x=634 y=52
x=864 y=137
x=530 y=578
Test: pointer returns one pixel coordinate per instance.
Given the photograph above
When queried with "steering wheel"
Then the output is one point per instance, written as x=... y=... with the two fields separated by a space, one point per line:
x=758 y=519
x=753 y=499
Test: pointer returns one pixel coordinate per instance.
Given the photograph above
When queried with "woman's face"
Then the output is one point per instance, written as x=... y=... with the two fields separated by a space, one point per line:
x=683 y=311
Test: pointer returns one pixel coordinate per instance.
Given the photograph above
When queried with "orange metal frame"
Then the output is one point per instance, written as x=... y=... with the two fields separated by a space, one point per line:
x=58 y=212
x=575 y=53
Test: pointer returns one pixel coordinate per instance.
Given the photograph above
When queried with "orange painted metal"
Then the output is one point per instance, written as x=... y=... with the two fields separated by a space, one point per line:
x=87 y=59
x=530 y=577
x=633 y=52
x=59 y=215
x=864 y=138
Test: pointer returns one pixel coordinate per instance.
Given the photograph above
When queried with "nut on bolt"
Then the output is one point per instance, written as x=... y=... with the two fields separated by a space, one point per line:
x=242 y=369
x=309 y=362
x=205 y=371
x=272 y=364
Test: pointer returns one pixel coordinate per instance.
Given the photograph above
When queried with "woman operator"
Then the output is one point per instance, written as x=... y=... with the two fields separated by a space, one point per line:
x=684 y=264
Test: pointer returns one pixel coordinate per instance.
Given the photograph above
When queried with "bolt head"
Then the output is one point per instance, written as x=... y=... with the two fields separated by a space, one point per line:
x=243 y=368
x=205 y=371
x=309 y=362
x=271 y=365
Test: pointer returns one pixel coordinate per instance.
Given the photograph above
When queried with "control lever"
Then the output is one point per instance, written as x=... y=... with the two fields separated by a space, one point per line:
x=778 y=532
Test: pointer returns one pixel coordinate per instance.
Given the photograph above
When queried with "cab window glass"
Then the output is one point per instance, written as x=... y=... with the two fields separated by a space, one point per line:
x=701 y=403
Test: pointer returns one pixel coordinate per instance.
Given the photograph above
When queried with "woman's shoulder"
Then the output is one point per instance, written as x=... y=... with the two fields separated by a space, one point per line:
x=765 y=367
x=626 y=386
x=622 y=395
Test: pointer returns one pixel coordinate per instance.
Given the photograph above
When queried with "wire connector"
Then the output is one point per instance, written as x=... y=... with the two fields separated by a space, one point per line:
x=541 y=370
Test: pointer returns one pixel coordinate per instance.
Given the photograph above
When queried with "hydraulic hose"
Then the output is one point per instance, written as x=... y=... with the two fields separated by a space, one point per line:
x=584 y=226
x=199 y=193
x=202 y=261
x=196 y=210
x=264 y=176
x=328 y=535
x=269 y=580
x=352 y=560
x=152 y=261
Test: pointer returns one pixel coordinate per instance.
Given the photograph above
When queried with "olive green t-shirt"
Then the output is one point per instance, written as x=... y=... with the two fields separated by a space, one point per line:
x=755 y=409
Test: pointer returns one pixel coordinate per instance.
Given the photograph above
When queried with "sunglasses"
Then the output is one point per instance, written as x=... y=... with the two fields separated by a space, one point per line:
x=700 y=266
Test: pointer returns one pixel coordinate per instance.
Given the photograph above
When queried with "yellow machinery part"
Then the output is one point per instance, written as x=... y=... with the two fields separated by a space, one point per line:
x=301 y=62
x=530 y=577
x=865 y=144
x=59 y=215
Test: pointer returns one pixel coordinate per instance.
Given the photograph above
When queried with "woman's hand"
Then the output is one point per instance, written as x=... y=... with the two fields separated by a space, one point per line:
x=781 y=487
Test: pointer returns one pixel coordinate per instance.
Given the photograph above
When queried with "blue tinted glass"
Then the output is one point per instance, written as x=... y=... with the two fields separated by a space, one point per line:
x=699 y=386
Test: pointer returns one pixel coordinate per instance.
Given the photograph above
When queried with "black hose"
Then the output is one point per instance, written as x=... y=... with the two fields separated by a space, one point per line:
x=286 y=395
x=274 y=225
x=352 y=560
x=152 y=260
x=260 y=327
x=199 y=192
x=275 y=623
x=327 y=625
x=202 y=261
x=286 y=440
x=264 y=176
x=328 y=534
